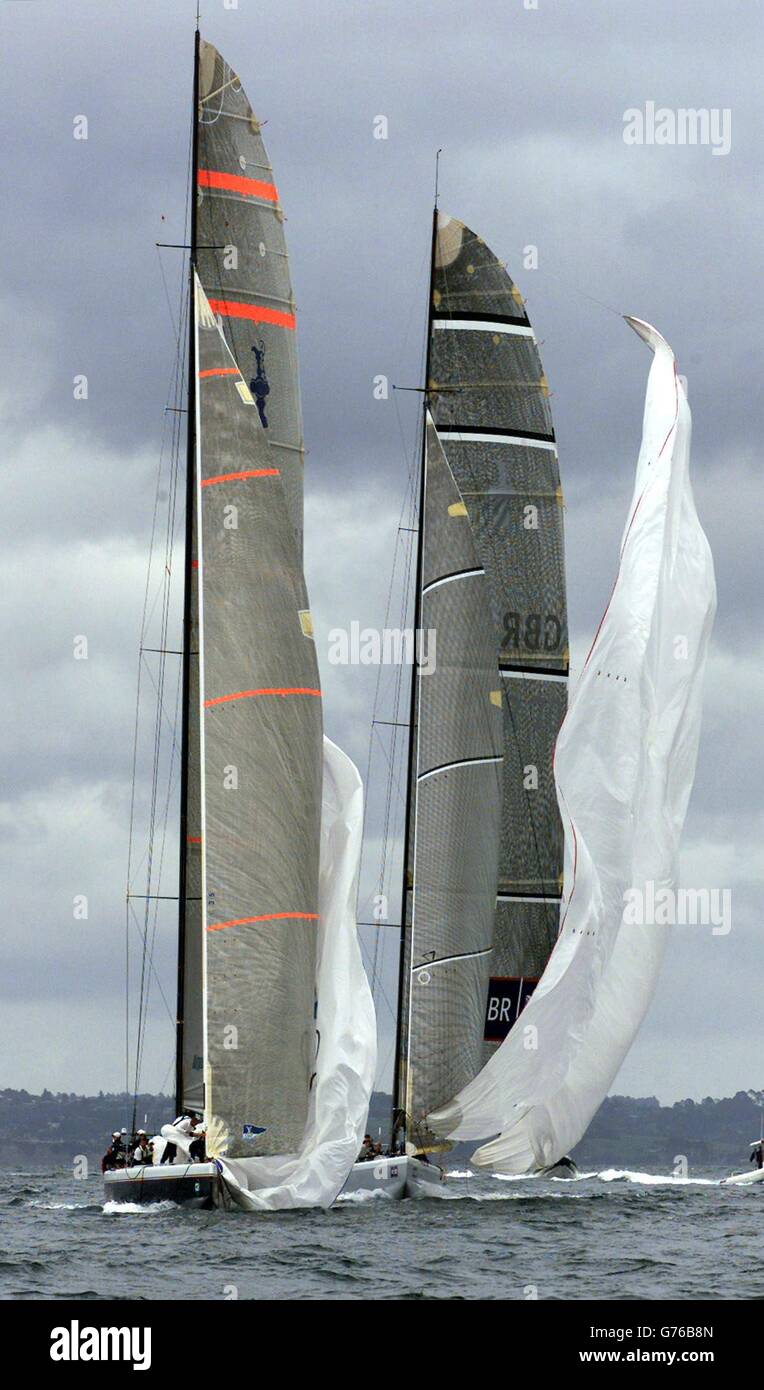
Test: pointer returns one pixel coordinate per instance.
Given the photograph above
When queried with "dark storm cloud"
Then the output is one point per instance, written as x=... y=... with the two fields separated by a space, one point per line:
x=528 y=108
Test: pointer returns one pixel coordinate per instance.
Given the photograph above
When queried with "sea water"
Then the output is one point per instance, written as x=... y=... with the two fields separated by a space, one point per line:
x=616 y=1234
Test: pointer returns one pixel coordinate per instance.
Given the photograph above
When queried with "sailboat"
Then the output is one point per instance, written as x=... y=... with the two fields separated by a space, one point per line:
x=276 y=1037
x=518 y=1006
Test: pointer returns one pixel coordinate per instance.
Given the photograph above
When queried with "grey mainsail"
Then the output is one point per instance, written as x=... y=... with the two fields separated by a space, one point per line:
x=483 y=872
x=490 y=401
x=261 y=758
x=242 y=262
x=457 y=790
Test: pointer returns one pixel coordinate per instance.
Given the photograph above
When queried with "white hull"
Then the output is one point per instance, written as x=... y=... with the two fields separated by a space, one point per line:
x=393 y=1177
x=744 y=1179
x=192 y=1184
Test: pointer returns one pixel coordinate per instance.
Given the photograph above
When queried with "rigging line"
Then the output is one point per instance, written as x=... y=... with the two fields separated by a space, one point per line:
x=169 y=535
x=390 y=760
x=137 y=926
x=149 y=937
x=171 y=784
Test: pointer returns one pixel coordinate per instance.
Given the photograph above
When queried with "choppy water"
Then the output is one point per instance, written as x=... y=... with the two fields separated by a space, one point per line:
x=613 y=1235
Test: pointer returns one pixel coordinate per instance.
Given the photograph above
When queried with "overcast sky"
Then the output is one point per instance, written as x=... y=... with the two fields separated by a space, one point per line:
x=528 y=107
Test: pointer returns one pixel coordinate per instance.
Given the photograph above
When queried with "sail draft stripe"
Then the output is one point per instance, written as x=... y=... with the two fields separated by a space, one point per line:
x=193 y=839
x=525 y=673
x=259 y=313
x=219 y=371
x=266 y=917
x=448 y=960
x=490 y=435
x=521 y=330
x=271 y=690
x=475 y=317
x=448 y=578
x=237 y=183
x=461 y=762
x=529 y=897
x=236 y=477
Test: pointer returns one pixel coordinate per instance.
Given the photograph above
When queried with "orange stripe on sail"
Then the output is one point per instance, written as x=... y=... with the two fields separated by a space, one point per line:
x=271 y=690
x=268 y=917
x=258 y=312
x=237 y=183
x=219 y=371
x=247 y=473
x=193 y=839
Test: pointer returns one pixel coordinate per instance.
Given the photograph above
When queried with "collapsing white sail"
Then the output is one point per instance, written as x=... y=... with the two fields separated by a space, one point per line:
x=624 y=767
x=345 y=1024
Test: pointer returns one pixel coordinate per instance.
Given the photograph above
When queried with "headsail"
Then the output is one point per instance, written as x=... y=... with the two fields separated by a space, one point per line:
x=261 y=759
x=624 y=767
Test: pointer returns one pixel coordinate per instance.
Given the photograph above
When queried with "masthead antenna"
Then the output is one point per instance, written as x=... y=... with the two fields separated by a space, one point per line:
x=438 y=153
x=198 y=7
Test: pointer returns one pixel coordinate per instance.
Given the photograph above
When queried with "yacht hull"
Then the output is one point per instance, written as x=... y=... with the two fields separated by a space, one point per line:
x=190 y=1184
x=200 y=1186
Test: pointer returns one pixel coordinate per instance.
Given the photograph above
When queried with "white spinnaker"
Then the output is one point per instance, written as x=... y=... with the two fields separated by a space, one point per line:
x=345 y=1022
x=624 y=767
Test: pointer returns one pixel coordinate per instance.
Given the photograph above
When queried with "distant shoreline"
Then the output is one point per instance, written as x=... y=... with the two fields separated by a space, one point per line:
x=42 y=1132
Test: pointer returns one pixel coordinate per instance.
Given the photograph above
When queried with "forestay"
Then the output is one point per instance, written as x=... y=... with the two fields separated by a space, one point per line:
x=624 y=769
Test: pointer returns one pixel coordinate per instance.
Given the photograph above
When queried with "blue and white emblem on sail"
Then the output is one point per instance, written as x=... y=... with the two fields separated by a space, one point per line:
x=252 y=1131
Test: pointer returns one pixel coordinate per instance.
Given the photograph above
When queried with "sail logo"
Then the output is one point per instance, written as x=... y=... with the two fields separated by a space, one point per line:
x=75 y=1343
x=507 y=997
x=532 y=632
x=252 y=1131
x=684 y=126
x=678 y=907
x=387 y=646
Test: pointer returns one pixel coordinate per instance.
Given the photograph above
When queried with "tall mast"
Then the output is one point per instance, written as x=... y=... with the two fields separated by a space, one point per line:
x=187 y=588
x=399 y=1098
